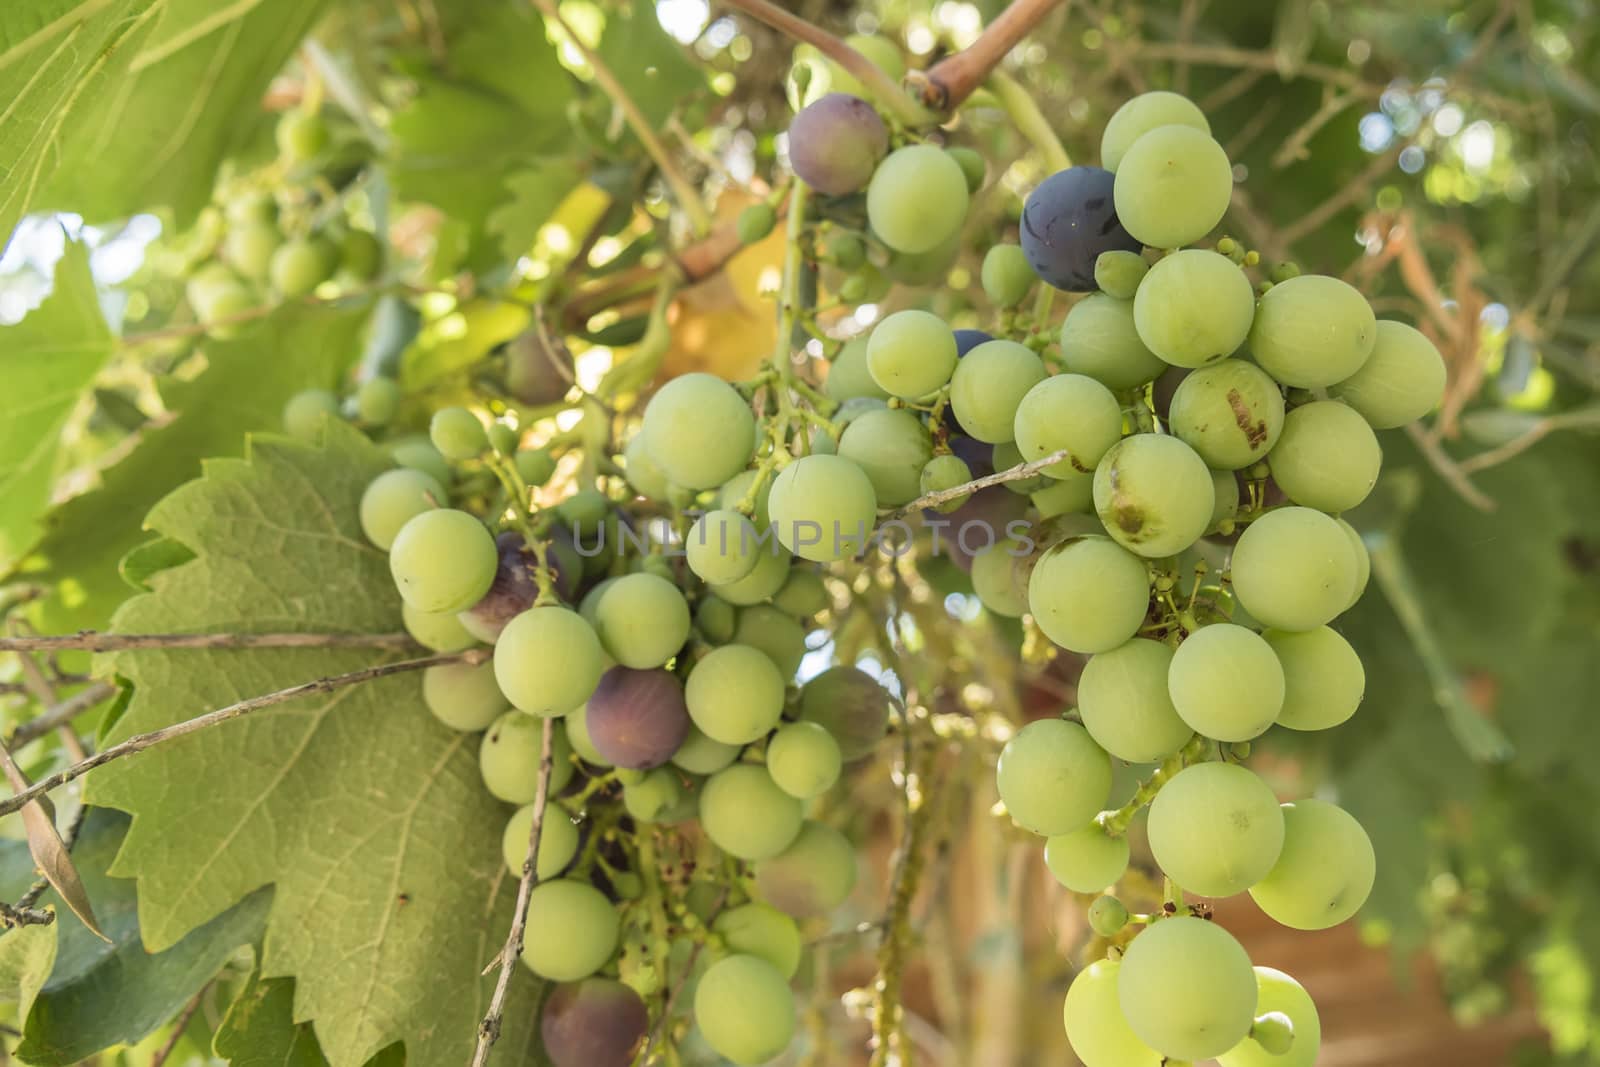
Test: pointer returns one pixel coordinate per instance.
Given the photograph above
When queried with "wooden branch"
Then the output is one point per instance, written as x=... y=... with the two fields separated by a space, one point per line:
x=60 y=714
x=93 y=641
x=15 y=915
x=178 y=1027
x=1010 y=474
x=950 y=81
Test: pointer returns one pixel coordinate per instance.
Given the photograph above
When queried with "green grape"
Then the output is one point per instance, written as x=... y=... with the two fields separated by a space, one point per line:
x=360 y=255
x=1225 y=490
x=536 y=465
x=463 y=696
x=1052 y=777
x=558 y=841
x=945 y=472
x=441 y=631
x=1140 y=115
x=699 y=431
x=917 y=198
x=1089 y=594
x=823 y=508
x=1326 y=870
x=590 y=604
x=1215 y=829
x=735 y=694
x=576 y=723
x=303 y=415
x=509 y=756
x=1099 y=339
x=393 y=499
x=925 y=268
x=1006 y=275
x=1273 y=1031
x=757 y=929
x=252 y=207
x=744 y=1009
x=850 y=704
x=1096 y=1030
x=1277 y=992
x=585 y=511
x=378 y=401
x=443 y=560
x=972 y=166
x=419 y=454
x=813 y=876
x=849 y=375
x=301 y=135
x=1226 y=682
x=1363 y=561
x=646 y=479
x=988 y=386
x=457 y=434
x=911 y=353
x=994 y=579
x=222 y=303
x=699 y=754
x=548 y=661
x=249 y=248
x=803 y=593
x=1294 y=569
x=827 y=76
x=891 y=447
x=775 y=633
x=502 y=438
x=1401 y=381
x=1328 y=457
x=642 y=620
x=1154 y=495
x=1187 y=988
x=721 y=546
x=755 y=222
x=1107 y=917
x=844 y=249
x=653 y=798
x=1088 y=859
x=300 y=265
x=1194 y=307
x=1313 y=331
x=1122 y=696
x=1173 y=186
x=572 y=930
x=803 y=758
x=715 y=618
x=1323 y=678
x=1072 y=412
x=763 y=581
x=1118 y=273
x=746 y=815
x=1065 y=497
x=1008 y=456
x=1230 y=412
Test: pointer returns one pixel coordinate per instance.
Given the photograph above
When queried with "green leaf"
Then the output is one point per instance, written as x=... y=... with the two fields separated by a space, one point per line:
x=27 y=956
x=46 y=361
x=535 y=195
x=650 y=65
x=152 y=557
x=367 y=815
x=259 y=1029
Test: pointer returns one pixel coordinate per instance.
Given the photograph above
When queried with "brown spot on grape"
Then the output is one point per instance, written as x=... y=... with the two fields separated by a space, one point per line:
x=1254 y=430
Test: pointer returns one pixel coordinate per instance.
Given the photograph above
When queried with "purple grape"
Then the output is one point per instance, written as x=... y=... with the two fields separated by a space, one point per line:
x=597 y=1022
x=1068 y=220
x=967 y=340
x=515 y=587
x=835 y=144
x=851 y=705
x=637 y=719
x=986 y=515
x=537 y=373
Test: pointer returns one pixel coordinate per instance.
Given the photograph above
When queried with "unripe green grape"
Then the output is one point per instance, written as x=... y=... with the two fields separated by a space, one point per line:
x=548 y=661
x=300 y=265
x=1363 y=561
x=1096 y=1030
x=1107 y=917
x=1064 y=497
x=735 y=694
x=1313 y=331
x=923 y=269
x=803 y=758
x=1154 y=495
x=744 y=1009
x=823 y=508
x=535 y=465
x=775 y=634
x=1231 y=413
x=1325 y=871
x=1173 y=186
x=917 y=198
x=849 y=375
x=251 y=207
x=443 y=560
x=1401 y=381
x=746 y=815
x=1118 y=273
x=803 y=594
x=699 y=431
x=576 y=724
x=301 y=135
x=1052 y=777
x=221 y=303
x=440 y=631
x=994 y=579
x=653 y=798
x=1294 y=569
x=572 y=930
x=418 y=453
x=360 y=255
x=1226 y=682
x=755 y=222
x=1225 y=491
x=911 y=353
x=988 y=387
x=249 y=247
x=1088 y=859
x=851 y=705
x=393 y=499
x=502 y=438
x=700 y=754
x=721 y=546
x=891 y=448
x=377 y=401
x=1277 y=993
x=1323 y=678
x=972 y=166
x=1327 y=458
x=586 y=511
x=1072 y=412
x=463 y=696
x=758 y=929
x=813 y=876
x=941 y=473
x=1123 y=698
x=1216 y=829
x=1193 y=308
x=457 y=434
x=647 y=479
x=1099 y=339
x=1187 y=988
x=1089 y=594
x=715 y=618
x=642 y=620
x=558 y=841
x=1141 y=114
x=510 y=754
x=763 y=581
x=303 y=415
x=844 y=249
x=1274 y=1032
x=1006 y=276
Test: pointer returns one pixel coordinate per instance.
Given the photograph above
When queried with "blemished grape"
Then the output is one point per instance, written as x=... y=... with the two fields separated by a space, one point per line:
x=642 y=620
x=548 y=661
x=1327 y=458
x=457 y=434
x=558 y=841
x=851 y=705
x=1099 y=339
x=572 y=930
x=654 y=797
x=637 y=718
x=1052 y=777
x=301 y=264
x=813 y=876
x=744 y=1009
x=758 y=929
x=1173 y=186
x=1089 y=595
x=440 y=631
x=1277 y=992
x=763 y=581
x=735 y=694
x=463 y=696
x=849 y=375
x=1401 y=381
x=418 y=453
x=537 y=372
x=1072 y=412
x=1294 y=569
x=378 y=401
x=836 y=143
x=721 y=546
x=994 y=579
x=1323 y=678
x=823 y=508
x=1006 y=275
x=1313 y=331
x=1123 y=698
x=1118 y=273
x=1325 y=872
x=989 y=384
x=917 y=198
x=443 y=560
x=395 y=497
x=576 y=725
x=1140 y=115
x=1187 y=988
x=775 y=633
x=1194 y=307
x=911 y=353
x=1154 y=495
x=699 y=754
x=1216 y=829
x=301 y=135
x=891 y=448
x=598 y=1022
x=803 y=595
x=1231 y=413
x=305 y=412
x=803 y=759
x=1064 y=498
x=515 y=587
x=699 y=431
x=1096 y=1030
x=1363 y=561
x=945 y=472
x=1087 y=860
x=1068 y=220
x=1226 y=682
x=746 y=815
x=509 y=756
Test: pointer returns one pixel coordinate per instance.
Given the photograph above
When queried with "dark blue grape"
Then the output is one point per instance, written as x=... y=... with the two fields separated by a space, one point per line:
x=1067 y=222
x=515 y=588
x=637 y=719
x=967 y=340
x=597 y=1022
x=836 y=143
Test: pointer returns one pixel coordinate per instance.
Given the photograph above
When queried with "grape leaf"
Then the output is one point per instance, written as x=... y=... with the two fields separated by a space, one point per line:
x=650 y=65
x=535 y=195
x=46 y=361
x=366 y=814
x=259 y=1029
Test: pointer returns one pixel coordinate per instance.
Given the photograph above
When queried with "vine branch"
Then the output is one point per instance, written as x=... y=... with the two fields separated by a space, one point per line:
x=59 y=714
x=951 y=80
x=94 y=641
x=1010 y=474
